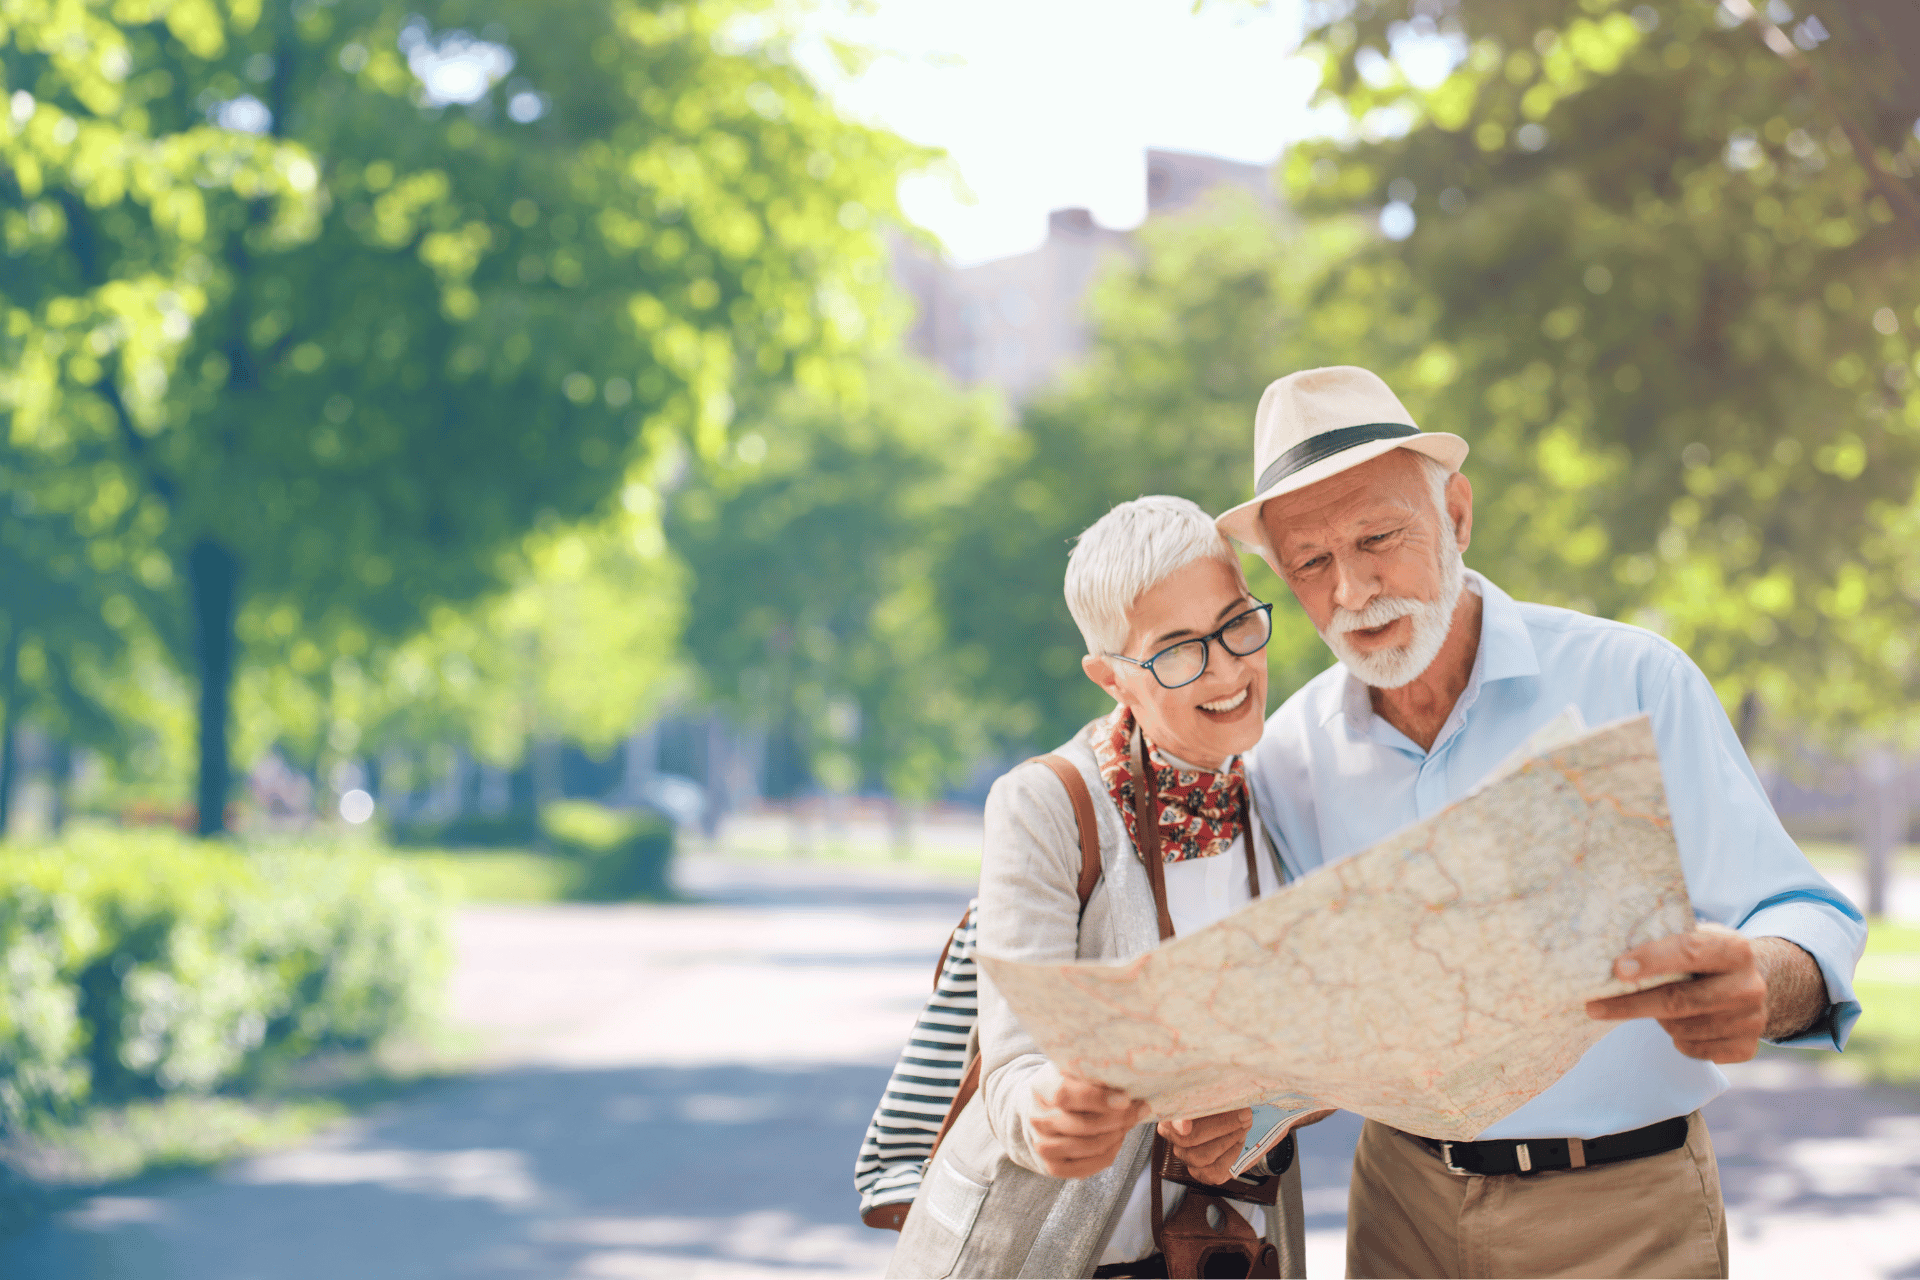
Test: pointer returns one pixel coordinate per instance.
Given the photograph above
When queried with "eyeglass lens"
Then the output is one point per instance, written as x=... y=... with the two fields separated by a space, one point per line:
x=1247 y=633
x=1183 y=663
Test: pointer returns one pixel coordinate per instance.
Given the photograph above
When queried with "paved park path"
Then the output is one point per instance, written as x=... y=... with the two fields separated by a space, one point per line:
x=678 y=1092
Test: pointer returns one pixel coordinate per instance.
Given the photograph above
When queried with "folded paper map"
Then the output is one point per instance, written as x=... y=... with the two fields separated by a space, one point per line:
x=1435 y=981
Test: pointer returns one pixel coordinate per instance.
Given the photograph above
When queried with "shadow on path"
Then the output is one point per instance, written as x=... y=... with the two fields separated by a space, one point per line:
x=593 y=1168
x=520 y=1173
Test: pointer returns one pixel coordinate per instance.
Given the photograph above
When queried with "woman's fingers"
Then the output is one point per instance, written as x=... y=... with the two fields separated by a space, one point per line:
x=1077 y=1157
x=1087 y=1096
x=1206 y=1153
x=1078 y=1168
x=1207 y=1145
x=1079 y=1125
x=1182 y=1133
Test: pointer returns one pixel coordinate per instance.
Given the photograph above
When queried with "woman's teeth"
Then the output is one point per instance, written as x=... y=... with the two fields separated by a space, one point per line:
x=1225 y=704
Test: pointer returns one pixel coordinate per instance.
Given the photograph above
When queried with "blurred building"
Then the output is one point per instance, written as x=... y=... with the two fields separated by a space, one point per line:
x=1015 y=323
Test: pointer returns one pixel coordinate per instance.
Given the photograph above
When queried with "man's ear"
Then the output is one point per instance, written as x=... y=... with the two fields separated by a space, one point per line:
x=1101 y=672
x=1460 y=508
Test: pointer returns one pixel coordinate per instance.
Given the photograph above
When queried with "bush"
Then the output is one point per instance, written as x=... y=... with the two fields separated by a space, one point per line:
x=622 y=855
x=138 y=963
x=513 y=828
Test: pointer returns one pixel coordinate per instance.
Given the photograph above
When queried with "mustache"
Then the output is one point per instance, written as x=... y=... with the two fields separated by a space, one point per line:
x=1378 y=613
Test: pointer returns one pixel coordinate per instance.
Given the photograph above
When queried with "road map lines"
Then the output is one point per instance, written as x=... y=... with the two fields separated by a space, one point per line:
x=1435 y=981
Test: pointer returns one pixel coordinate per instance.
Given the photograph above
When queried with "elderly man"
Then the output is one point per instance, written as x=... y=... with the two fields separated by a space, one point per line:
x=1441 y=675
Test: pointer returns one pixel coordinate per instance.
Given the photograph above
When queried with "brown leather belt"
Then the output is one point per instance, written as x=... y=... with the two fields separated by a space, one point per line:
x=1545 y=1155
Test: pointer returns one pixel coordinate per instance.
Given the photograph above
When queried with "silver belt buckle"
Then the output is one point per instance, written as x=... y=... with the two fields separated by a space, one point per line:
x=1446 y=1158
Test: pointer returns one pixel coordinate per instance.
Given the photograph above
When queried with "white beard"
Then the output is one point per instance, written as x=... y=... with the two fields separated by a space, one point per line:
x=1432 y=619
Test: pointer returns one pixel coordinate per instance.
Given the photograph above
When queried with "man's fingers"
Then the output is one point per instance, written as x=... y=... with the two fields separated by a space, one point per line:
x=1733 y=1049
x=1740 y=991
x=1701 y=951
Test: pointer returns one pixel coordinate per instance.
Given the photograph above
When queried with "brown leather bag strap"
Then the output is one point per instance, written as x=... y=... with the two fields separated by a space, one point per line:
x=969 y=1085
x=1146 y=830
x=1076 y=786
x=1156 y=1161
x=940 y=965
x=1246 y=825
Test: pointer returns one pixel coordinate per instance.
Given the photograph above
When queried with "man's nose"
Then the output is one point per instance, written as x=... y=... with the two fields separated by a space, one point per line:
x=1354 y=586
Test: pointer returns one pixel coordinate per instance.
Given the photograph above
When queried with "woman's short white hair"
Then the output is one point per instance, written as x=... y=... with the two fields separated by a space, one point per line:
x=1129 y=551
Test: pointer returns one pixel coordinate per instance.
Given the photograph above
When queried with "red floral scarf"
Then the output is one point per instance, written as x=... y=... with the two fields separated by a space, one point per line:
x=1200 y=810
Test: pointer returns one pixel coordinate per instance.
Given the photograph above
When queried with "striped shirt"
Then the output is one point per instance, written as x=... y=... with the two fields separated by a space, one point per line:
x=924 y=1081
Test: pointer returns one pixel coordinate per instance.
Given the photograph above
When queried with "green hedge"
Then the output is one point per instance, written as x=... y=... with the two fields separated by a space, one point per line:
x=137 y=963
x=621 y=854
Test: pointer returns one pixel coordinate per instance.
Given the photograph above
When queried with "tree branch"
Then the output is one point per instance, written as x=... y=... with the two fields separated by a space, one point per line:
x=138 y=447
x=1904 y=203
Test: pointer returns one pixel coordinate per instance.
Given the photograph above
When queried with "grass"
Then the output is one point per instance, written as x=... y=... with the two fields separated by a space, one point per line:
x=1886 y=1041
x=949 y=862
x=1828 y=854
x=496 y=875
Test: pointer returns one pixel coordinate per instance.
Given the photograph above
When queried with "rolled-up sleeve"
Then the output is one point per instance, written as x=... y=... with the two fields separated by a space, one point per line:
x=1029 y=910
x=1743 y=870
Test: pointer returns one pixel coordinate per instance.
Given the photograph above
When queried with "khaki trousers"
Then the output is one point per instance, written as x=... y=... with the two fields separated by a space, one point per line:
x=1659 y=1216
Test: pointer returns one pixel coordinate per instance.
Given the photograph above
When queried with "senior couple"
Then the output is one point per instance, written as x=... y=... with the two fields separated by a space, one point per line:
x=1440 y=676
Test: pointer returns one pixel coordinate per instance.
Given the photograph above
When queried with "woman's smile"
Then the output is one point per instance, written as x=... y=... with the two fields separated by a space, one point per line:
x=1231 y=707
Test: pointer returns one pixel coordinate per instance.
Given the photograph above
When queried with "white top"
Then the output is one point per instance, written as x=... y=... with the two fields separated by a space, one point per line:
x=1199 y=892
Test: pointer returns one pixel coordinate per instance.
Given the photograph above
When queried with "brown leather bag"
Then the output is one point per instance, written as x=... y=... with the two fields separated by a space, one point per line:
x=1206 y=1236
x=893 y=1217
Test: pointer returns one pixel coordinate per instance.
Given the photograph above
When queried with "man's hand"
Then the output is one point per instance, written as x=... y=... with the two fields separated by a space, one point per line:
x=1078 y=1128
x=1739 y=991
x=1208 y=1145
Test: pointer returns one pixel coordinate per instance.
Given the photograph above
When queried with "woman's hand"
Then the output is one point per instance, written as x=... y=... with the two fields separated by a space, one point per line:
x=1078 y=1127
x=1207 y=1145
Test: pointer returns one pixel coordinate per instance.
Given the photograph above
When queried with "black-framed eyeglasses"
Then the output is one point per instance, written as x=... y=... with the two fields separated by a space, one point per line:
x=1243 y=635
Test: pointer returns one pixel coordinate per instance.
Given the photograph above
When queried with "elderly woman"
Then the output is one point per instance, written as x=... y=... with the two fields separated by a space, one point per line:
x=1045 y=1174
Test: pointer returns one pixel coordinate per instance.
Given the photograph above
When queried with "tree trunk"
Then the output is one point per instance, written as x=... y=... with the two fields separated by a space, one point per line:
x=1749 y=720
x=9 y=725
x=1881 y=822
x=901 y=826
x=213 y=574
x=59 y=779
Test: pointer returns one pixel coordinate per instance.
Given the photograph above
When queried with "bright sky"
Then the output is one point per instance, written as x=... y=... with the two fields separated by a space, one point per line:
x=1046 y=104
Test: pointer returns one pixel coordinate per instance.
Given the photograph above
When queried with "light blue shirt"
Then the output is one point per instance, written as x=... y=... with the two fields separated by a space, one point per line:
x=1332 y=778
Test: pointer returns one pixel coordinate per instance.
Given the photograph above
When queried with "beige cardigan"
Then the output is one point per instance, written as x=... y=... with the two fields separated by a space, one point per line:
x=985 y=1209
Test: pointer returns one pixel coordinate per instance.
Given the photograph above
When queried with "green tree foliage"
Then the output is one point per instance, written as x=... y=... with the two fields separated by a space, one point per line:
x=1666 y=296
x=279 y=313
x=813 y=548
x=580 y=646
x=57 y=650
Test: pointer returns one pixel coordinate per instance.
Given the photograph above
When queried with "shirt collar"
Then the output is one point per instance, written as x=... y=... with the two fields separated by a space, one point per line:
x=1506 y=652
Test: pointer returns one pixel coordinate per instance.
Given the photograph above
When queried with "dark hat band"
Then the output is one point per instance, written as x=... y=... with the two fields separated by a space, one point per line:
x=1323 y=446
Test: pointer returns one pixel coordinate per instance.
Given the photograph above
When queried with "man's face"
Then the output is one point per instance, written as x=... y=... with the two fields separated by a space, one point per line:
x=1371 y=561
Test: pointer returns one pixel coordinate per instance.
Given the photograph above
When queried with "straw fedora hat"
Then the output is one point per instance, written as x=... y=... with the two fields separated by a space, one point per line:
x=1318 y=422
